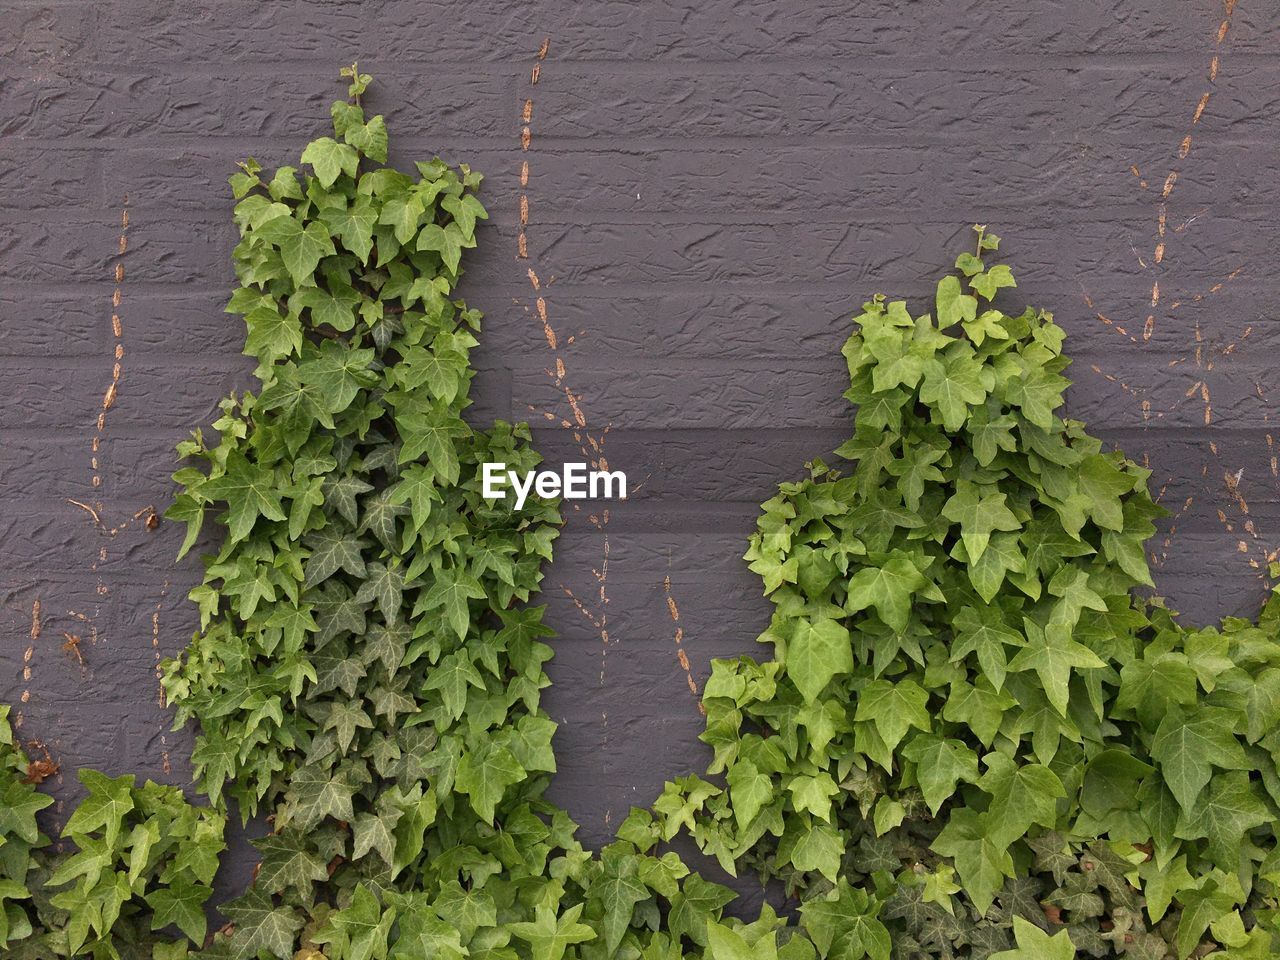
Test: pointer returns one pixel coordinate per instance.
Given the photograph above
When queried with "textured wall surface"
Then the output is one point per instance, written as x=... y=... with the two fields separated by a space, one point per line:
x=706 y=189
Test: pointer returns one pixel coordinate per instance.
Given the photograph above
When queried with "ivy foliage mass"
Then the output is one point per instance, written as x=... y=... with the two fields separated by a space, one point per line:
x=972 y=739
x=135 y=866
x=970 y=722
x=365 y=670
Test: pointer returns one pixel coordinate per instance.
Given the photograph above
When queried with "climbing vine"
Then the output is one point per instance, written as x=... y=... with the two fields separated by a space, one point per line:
x=972 y=740
x=135 y=860
x=970 y=724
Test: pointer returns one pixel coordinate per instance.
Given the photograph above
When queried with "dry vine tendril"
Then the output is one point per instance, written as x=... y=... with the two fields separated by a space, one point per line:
x=972 y=740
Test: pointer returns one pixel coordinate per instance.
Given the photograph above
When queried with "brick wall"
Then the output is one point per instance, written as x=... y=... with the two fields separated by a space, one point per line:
x=712 y=187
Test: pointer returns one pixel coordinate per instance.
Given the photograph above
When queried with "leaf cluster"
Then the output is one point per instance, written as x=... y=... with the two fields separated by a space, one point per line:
x=962 y=669
x=135 y=864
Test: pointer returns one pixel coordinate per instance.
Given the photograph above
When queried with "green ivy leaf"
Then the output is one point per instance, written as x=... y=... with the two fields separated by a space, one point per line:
x=888 y=587
x=272 y=335
x=1053 y=657
x=986 y=284
x=1103 y=484
x=301 y=248
x=333 y=549
x=817 y=651
x=980 y=510
x=726 y=944
x=617 y=891
x=988 y=324
x=250 y=491
x=894 y=707
x=1213 y=900
x=1224 y=814
x=484 y=775
x=1036 y=391
x=330 y=159
x=980 y=707
x=549 y=935
x=360 y=930
x=182 y=905
x=953 y=305
x=1161 y=884
x=345 y=719
x=313 y=795
x=749 y=790
x=1188 y=745
x=952 y=384
x=1035 y=944
x=19 y=804
x=698 y=902
x=370 y=139
x=403 y=214
x=105 y=807
x=983 y=631
x=1021 y=795
x=337 y=311
x=452 y=678
x=261 y=926
x=465 y=209
x=467 y=910
x=434 y=434
x=448 y=241
x=422 y=935
x=844 y=924
x=289 y=863
x=941 y=763
x=339 y=372
x=982 y=863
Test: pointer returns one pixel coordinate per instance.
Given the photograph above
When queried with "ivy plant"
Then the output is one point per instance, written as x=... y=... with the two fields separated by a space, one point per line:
x=143 y=855
x=131 y=878
x=969 y=714
x=364 y=669
x=978 y=734
x=20 y=837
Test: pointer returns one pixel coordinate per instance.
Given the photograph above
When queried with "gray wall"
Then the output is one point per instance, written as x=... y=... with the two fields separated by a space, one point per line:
x=713 y=186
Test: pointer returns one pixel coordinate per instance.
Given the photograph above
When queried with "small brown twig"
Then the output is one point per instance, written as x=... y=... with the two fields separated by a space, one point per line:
x=84 y=506
x=73 y=646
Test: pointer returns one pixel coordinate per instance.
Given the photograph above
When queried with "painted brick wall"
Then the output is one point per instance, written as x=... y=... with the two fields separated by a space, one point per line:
x=712 y=187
